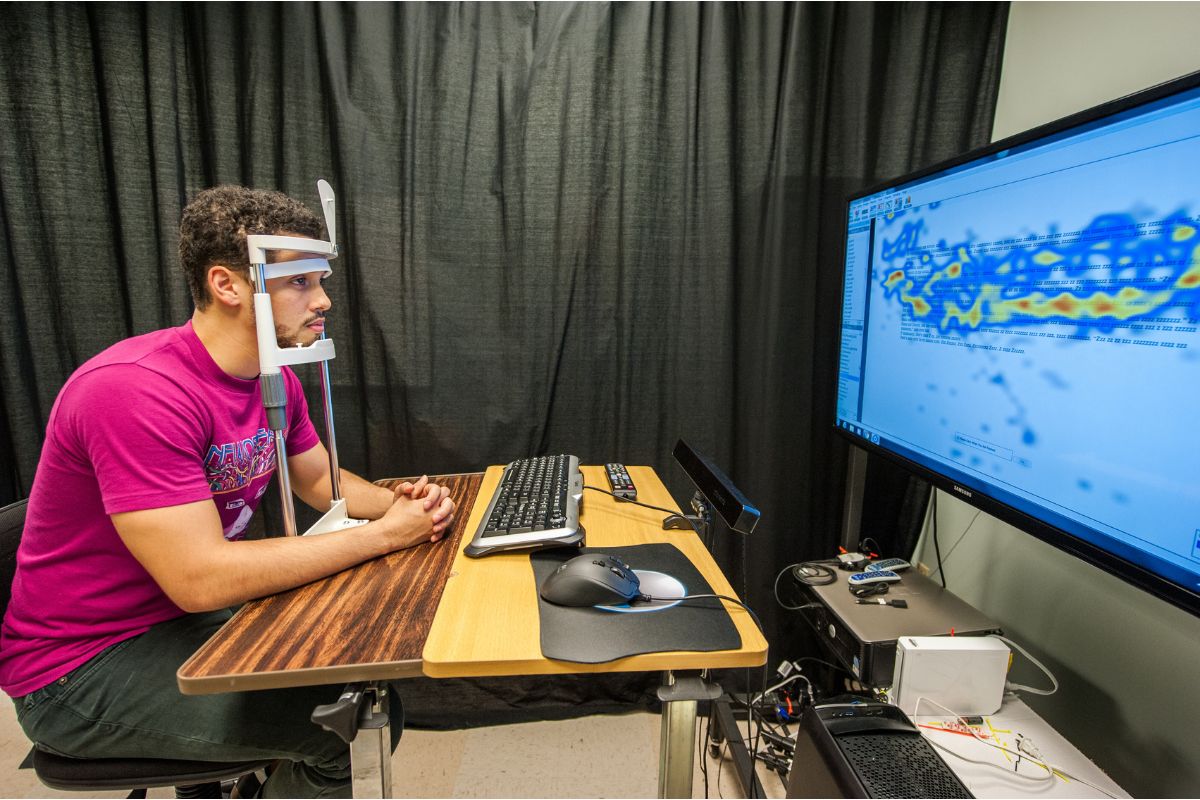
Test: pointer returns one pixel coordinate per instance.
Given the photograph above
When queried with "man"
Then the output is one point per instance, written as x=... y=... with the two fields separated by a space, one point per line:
x=156 y=454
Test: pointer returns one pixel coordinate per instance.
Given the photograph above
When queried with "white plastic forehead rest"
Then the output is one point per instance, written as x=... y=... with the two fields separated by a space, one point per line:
x=258 y=244
x=282 y=269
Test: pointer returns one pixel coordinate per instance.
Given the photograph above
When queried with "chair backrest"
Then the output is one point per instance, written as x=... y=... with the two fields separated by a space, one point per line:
x=12 y=522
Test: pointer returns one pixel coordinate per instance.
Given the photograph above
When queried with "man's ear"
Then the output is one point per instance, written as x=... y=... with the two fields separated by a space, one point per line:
x=227 y=287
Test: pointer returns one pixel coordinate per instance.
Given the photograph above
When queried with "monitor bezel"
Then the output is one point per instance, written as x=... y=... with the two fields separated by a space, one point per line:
x=1180 y=596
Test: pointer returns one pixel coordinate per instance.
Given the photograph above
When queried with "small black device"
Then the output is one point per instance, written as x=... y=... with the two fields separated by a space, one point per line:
x=879 y=601
x=619 y=481
x=715 y=485
x=866 y=749
x=852 y=561
x=592 y=579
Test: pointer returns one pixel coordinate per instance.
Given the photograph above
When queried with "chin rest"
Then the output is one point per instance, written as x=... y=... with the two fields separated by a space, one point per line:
x=90 y=774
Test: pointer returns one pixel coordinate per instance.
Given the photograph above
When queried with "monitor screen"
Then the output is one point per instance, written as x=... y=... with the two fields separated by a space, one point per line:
x=1020 y=325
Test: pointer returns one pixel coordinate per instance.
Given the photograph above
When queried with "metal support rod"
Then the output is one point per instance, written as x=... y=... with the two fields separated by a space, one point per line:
x=335 y=483
x=285 y=486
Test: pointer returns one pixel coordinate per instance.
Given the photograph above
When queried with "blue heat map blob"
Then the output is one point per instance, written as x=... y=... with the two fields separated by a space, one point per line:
x=1115 y=274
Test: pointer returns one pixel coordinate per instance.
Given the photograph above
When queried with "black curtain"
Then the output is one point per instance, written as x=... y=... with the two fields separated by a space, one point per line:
x=574 y=227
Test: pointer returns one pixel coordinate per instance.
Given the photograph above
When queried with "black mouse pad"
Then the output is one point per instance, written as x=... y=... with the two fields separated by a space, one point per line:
x=595 y=635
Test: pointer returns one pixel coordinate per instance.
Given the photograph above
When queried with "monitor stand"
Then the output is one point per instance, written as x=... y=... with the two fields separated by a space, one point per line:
x=852 y=506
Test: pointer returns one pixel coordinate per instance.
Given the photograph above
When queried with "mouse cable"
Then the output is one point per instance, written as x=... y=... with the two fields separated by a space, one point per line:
x=646 y=505
x=648 y=598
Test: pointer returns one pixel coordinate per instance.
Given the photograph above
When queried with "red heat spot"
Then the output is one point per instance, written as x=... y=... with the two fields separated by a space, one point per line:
x=1064 y=304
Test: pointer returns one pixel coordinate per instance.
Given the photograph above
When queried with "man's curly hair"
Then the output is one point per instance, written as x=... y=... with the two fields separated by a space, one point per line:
x=215 y=224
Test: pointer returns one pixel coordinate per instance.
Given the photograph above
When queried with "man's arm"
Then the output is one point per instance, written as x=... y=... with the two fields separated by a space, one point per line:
x=184 y=550
x=309 y=473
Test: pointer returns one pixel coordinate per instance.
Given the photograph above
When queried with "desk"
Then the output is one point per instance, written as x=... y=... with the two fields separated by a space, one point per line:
x=485 y=624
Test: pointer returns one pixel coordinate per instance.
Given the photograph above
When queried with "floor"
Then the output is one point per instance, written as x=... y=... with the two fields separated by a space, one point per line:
x=540 y=759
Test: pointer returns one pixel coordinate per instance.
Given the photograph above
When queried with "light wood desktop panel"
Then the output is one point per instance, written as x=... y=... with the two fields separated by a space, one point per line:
x=487 y=622
x=368 y=622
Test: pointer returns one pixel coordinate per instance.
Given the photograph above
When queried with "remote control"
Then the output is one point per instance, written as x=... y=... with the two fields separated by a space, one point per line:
x=892 y=564
x=620 y=482
x=879 y=576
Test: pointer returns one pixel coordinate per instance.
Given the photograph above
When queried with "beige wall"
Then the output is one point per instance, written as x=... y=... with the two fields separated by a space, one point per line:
x=1126 y=661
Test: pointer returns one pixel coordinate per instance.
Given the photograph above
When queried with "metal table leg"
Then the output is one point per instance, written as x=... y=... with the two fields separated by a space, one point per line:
x=371 y=750
x=360 y=718
x=676 y=751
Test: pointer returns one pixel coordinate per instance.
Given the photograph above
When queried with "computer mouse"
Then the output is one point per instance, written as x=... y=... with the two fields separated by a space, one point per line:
x=593 y=579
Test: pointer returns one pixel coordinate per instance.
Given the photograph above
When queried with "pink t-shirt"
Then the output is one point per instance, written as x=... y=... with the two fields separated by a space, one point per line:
x=150 y=422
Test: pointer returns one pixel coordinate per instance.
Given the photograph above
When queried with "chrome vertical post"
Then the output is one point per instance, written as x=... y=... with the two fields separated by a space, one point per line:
x=335 y=482
x=371 y=750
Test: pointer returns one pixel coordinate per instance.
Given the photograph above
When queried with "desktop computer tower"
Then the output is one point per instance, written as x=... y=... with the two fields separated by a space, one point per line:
x=863 y=637
x=866 y=750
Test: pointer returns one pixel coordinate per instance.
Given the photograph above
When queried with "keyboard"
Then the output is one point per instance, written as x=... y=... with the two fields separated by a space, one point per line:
x=536 y=504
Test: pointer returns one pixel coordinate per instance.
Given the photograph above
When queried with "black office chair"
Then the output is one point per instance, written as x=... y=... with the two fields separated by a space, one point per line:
x=190 y=778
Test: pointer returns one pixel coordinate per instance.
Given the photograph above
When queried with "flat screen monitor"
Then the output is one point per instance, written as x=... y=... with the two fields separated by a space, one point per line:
x=1019 y=325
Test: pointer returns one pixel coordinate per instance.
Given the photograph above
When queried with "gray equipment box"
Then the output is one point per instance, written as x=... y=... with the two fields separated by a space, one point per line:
x=863 y=637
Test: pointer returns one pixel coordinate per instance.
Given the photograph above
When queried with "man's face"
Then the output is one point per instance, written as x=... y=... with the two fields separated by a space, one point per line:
x=298 y=303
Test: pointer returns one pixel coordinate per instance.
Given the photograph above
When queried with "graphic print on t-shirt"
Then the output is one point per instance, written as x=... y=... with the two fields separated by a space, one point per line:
x=231 y=466
x=240 y=523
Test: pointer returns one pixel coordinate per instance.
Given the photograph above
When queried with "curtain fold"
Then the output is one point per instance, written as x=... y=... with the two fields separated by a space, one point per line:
x=574 y=227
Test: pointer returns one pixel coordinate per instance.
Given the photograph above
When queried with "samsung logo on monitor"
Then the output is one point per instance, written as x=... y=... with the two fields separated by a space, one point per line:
x=962 y=491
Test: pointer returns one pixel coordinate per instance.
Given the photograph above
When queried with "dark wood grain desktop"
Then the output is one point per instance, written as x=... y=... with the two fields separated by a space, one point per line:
x=369 y=622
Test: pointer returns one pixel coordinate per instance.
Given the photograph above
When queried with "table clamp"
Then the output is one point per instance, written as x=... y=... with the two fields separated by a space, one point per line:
x=700 y=521
x=360 y=718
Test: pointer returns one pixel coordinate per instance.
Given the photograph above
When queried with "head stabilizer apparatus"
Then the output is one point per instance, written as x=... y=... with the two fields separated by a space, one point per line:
x=271 y=357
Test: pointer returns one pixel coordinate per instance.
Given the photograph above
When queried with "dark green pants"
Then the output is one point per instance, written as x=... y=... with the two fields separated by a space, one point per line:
x=125 y=703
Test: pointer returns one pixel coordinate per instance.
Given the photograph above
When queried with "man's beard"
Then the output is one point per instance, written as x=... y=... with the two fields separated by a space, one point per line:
x=282 y=338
